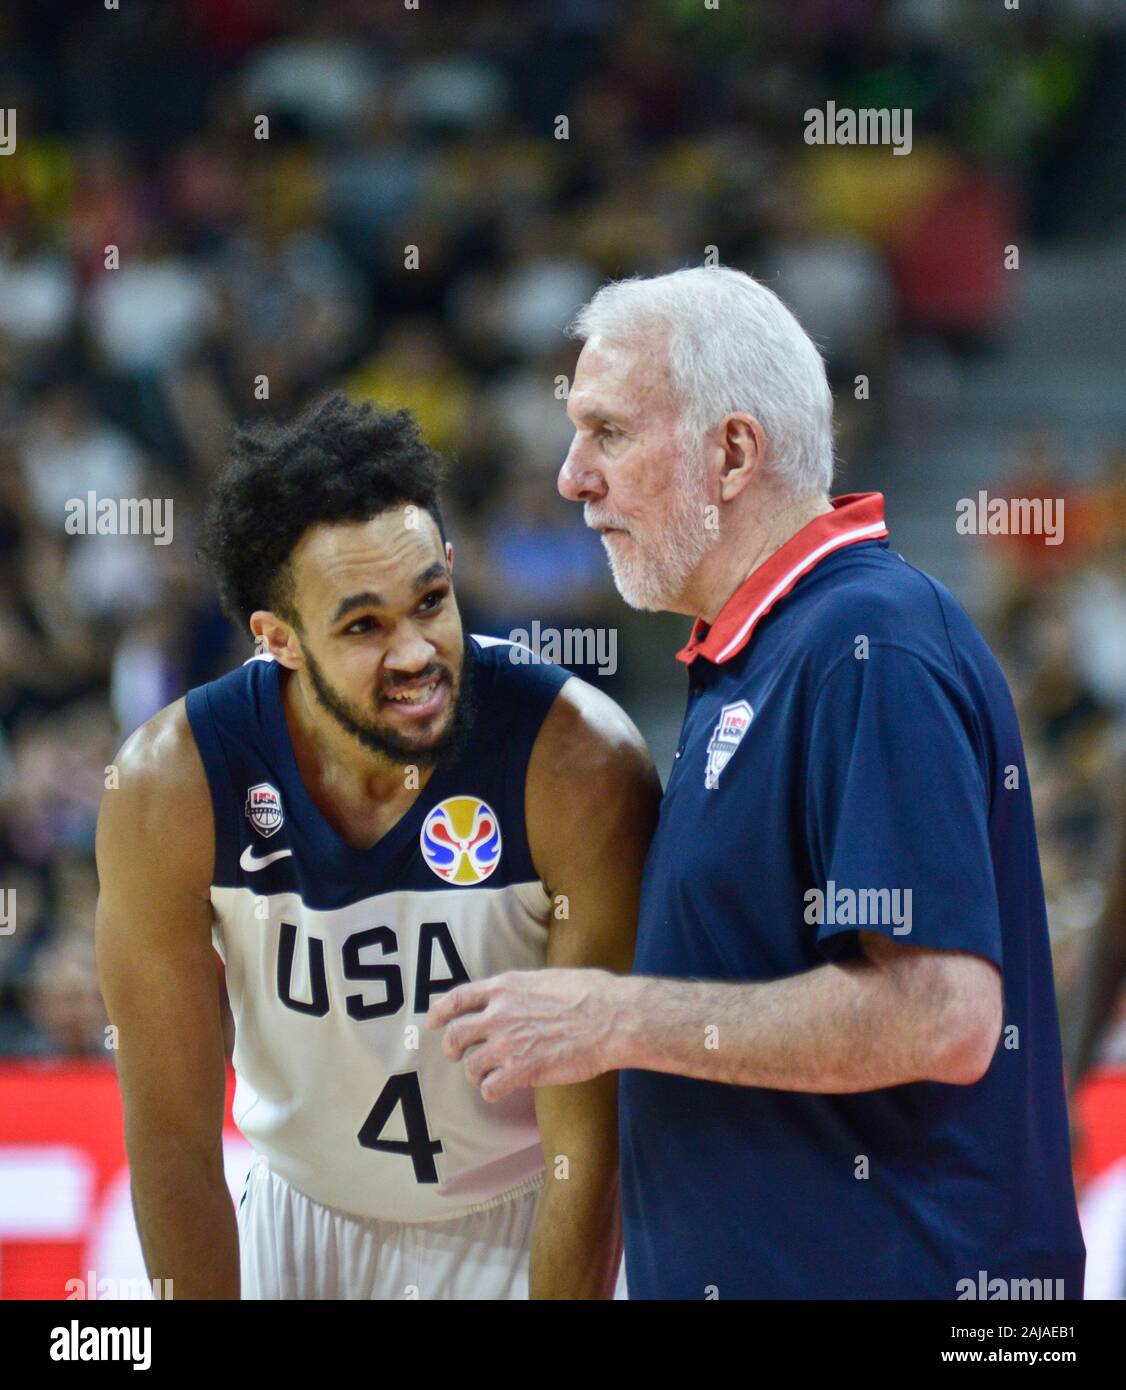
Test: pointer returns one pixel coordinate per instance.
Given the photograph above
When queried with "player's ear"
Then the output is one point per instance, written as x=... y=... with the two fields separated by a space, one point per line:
x=449 y=557
x=273 y=636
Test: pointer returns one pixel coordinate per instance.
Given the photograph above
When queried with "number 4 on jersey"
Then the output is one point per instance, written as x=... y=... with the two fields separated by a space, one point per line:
x=403 y=1090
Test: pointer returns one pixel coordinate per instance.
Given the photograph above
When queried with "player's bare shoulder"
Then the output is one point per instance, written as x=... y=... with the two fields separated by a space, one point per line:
x=586 y=734
x=590 y=773
x=158 y=799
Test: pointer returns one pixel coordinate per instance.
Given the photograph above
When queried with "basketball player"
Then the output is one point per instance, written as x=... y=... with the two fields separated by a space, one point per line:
x=370 y=812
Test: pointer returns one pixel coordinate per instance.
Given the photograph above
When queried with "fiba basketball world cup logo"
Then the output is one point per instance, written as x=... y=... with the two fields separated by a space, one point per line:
x=264 y=809
x=460 y=840
x=734 y=721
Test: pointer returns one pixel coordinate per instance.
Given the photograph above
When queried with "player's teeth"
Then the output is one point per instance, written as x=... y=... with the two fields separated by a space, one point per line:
x=415 y=697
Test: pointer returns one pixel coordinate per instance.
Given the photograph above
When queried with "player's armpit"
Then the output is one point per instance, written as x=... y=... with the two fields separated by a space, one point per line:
x=592 y=803
x=156 y=965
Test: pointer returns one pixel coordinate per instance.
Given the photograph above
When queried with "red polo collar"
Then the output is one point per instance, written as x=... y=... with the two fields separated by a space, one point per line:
x=858 y=516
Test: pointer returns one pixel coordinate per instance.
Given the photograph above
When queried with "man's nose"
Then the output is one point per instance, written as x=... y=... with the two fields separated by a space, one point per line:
x=578 y=482
x=410 y=653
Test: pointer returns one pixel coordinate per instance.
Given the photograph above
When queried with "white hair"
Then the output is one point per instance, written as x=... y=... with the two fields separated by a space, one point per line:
x=732 y=346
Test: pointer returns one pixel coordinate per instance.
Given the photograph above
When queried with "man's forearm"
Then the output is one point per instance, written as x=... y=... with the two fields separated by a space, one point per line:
x=837 y=1028
x=186 y=1221
x=577 y=1241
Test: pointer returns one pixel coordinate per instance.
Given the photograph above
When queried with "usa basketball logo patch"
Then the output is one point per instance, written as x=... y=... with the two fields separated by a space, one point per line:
x=264 y=808
x=734 y=721
x=460 y=839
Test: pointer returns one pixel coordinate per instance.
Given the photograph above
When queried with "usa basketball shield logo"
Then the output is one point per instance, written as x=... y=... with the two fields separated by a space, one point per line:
x=734 y=721
x=264 y=808
x=460 y=839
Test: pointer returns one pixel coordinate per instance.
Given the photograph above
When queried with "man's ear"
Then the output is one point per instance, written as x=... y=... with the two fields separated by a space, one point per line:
x=275 y=637
x=744 y=447
x=449 y=557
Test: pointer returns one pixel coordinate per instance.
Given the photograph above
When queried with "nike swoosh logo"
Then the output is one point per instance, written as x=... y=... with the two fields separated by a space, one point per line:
x=248 y=862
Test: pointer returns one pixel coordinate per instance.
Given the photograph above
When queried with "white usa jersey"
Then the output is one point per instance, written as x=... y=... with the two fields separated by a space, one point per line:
x=334 y=954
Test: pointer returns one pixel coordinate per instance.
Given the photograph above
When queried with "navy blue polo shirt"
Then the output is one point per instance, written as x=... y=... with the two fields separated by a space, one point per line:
x=849 y=736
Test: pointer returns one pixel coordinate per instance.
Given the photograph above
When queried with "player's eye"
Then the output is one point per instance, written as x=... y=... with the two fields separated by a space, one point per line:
x=432 y=601
x=359 y=626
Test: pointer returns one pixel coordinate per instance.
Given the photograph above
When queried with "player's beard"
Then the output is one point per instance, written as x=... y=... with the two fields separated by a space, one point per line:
x=651 y=575
x=378 y=738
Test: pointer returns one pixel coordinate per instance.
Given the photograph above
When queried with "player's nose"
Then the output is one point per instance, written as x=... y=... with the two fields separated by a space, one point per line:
x=577 y=481
x=410 y=653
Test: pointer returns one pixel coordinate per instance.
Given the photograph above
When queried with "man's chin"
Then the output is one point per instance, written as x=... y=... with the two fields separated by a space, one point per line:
x=638 y=602
x=439 y=737
x=644 y=598
x=421 y=746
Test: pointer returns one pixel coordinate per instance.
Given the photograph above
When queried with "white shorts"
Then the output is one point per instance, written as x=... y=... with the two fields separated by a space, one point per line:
x=295 y=1248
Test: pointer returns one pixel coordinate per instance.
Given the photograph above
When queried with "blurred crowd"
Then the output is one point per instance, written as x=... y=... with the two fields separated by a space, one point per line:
x=1058 y=625
x=427 y=201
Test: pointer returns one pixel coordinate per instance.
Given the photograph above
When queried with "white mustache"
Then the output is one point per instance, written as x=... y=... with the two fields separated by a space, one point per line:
x=615 y=523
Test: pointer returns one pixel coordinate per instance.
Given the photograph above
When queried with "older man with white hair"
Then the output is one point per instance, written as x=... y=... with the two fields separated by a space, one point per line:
x=840 y=1057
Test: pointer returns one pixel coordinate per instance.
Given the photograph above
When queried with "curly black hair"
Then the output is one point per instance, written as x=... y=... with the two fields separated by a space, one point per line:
x=334 y=462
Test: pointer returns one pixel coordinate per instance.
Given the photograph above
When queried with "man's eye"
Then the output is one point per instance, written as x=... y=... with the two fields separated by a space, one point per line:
x=432 y=601
x=360 y=625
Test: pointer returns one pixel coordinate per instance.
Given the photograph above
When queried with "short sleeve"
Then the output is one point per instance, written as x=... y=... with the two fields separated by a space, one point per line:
x=898 y=809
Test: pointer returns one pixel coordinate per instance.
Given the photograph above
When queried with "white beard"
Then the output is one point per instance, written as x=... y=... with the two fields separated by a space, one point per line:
x=653 y=578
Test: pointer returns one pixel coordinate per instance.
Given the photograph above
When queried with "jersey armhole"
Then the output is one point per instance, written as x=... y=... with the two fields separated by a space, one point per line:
x=219 y=781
